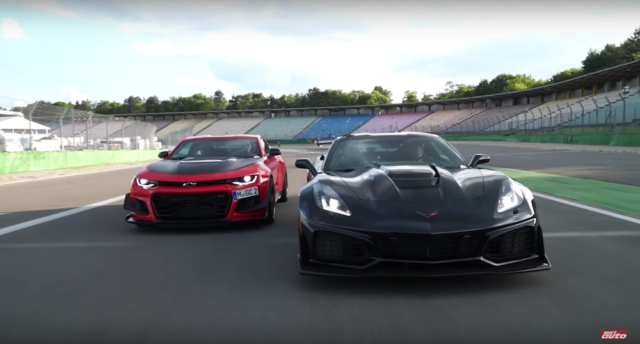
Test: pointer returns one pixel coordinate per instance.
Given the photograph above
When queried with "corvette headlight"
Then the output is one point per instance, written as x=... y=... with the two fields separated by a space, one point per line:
x=146 y=183
x=243 y=180
x=510 y=197
x=328 y=199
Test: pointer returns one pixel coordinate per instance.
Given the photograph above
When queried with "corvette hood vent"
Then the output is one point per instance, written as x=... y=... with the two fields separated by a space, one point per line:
x=412 y=176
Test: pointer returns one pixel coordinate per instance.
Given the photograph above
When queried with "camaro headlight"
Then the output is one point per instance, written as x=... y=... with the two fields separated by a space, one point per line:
x=146 y=183
x=328 y=199
x=510 y=197
x=245 y=180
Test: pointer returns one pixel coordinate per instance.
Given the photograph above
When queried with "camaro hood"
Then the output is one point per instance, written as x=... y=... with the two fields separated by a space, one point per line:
x=195 y=167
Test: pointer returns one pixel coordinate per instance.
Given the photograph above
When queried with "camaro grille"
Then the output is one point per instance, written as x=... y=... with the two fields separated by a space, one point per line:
x=197 y=184
x=195 y=206
x=423 y=247
x=516 y=243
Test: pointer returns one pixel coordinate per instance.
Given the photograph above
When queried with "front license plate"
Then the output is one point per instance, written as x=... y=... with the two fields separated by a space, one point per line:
x=240 y=194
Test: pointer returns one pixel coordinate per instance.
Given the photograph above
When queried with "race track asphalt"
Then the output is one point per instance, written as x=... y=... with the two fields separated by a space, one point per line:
x=619 y=168
x=91 y=278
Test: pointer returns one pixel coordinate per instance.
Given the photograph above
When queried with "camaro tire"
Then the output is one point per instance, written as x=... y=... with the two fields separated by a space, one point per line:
x=271 y=210
x=283 y=194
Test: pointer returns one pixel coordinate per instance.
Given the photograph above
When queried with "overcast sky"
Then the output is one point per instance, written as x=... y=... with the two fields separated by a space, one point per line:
x=110 y=49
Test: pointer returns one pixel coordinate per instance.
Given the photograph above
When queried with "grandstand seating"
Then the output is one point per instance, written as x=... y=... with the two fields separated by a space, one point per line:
x=200 y=126
x=73 y=129
x=144 y=130
x=441 y=120
x=160 y=124
x=176 y=126
x=334 y=126
x=230 y=126
x=604 y=114
x=488 y=118
x=549 y=114
x=105 y=129
x=390 y=122
x=282 y=128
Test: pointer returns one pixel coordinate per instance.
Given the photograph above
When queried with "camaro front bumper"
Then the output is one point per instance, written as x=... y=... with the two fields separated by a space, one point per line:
x=204 y=207
x=325 y=250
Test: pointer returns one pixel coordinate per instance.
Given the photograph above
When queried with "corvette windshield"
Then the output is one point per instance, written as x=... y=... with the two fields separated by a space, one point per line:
x=362 y=152
x=220 y=148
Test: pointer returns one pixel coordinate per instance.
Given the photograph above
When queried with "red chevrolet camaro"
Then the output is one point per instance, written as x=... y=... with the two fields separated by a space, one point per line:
x=207 y=180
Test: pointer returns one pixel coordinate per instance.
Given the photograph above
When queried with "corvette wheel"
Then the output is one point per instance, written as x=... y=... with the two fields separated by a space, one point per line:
x=271 y=209
x=285 y=191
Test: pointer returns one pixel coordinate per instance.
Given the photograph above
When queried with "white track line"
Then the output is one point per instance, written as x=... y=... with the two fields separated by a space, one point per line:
x=589 y=208
x=589 y=234
x=65 y=245
x=69 y=175
x=7 y=230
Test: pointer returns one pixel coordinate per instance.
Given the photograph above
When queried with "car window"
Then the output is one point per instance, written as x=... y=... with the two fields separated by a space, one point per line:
x=360 y=152
x=217 y=148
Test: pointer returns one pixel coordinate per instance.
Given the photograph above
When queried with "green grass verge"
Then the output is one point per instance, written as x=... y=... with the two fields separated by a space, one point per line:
x=623 y=198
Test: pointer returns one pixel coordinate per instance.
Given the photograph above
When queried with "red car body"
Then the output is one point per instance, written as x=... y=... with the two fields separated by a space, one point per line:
x=206 y=180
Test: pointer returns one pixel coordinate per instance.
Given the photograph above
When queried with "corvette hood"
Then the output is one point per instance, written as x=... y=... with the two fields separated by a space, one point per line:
x=403 y=198
x=416 y=184
x=194 y=167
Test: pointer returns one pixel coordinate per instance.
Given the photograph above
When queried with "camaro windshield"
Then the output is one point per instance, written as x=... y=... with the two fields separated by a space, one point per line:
x=219 y=148
x=363 y=152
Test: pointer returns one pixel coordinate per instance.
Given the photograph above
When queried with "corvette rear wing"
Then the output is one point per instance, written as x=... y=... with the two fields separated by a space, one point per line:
x=319 y=142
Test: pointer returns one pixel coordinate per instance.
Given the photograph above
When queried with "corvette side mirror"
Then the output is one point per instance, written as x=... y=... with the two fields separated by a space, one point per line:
x=307 y=165
x=479 y=159
x=274 y=152
x=163 y=154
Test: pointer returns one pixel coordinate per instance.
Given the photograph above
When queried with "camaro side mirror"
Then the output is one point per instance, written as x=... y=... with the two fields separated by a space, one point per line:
x=479 y=159
x=163 y=154
x=274 y=152
x=307 y=165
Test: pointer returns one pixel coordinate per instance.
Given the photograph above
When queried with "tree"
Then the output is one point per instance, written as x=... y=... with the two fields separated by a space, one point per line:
x=383 y=91
x=152 y=104
x=566 y=75
x=410 y=97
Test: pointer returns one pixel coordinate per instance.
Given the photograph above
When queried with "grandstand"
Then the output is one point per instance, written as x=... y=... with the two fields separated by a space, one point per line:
x=283 y=128
x=618 y=112
x=105 y=129
x=488 y=118
x=200 y=126
x=160 y=124
x=442 y=120
x=229 y=126
x=178 y=125
x=72 y=129
x=390 y=122
x=333 y=126
x=145 y=130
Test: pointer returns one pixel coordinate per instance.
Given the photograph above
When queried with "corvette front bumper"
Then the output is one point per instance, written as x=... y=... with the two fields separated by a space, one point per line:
x=517 y=248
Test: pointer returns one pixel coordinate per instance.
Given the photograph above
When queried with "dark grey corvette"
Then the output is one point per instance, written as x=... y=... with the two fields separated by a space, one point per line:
x=409 y=204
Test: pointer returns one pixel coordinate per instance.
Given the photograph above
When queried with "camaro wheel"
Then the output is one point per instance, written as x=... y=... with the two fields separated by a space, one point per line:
x=283 y=194
x=271 y=212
